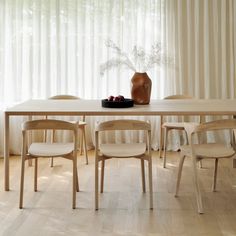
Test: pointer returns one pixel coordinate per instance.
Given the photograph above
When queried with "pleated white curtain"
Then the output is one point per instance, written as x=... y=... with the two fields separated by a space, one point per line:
x=56 y=46
x=204 y=40
x=203 y=37
x=50 y=47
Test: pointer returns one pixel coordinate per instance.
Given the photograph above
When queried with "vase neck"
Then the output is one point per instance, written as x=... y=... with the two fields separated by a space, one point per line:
x=140 y=72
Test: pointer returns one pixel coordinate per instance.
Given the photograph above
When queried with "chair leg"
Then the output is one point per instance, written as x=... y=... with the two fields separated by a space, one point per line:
x=74 y=181
x=77 y=180
x=197 y=189
x=36 y=175
x=30 y=162
x=51 y=162
x=215 y=175
x=81 y=141
x=181 y=162
x=143 y=175
x=199 y=138
x=165 y=146
x=150 y=182
x=29 y=142
x=102 y=175
x=52 y=141
x=96 y=182
x=22 y=181
x=200 y=164
x=85 y=146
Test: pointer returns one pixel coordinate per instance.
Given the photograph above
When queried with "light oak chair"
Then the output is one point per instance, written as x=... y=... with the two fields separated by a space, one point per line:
x=141 y=151
x=81 y=125
x=42 y=149
x=204 y=151
x=168 y=126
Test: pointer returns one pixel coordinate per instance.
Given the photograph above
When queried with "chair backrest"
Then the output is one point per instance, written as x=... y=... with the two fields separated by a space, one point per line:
x=123 y=125
x=49 y=124
x=183 y=96
x=64 y=96
x=178 y=96
x=215 y=125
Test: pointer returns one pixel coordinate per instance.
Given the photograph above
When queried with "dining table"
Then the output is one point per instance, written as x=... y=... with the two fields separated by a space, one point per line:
x=84 y=107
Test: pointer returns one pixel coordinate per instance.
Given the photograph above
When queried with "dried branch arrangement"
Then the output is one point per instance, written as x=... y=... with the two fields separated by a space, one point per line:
x=138 y=60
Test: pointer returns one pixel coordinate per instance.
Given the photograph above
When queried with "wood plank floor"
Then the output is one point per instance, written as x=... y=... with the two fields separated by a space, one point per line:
x=124 y=209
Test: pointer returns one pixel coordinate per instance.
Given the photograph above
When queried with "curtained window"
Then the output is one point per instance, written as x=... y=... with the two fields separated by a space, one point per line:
x=50 y=47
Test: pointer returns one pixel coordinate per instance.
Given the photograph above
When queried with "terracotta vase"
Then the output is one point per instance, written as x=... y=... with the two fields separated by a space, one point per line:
x=141 y=86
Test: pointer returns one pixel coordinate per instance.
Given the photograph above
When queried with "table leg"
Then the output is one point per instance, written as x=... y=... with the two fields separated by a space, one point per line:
x=6 y=152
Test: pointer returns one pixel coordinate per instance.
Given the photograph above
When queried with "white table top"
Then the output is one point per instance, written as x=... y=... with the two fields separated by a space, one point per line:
x=94 y=108
x=156 y=107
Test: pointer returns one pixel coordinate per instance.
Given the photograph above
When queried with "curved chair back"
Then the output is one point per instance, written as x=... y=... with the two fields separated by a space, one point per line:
x=123 y=125
x=178 y=96
x=49 y=124
x=64 y=96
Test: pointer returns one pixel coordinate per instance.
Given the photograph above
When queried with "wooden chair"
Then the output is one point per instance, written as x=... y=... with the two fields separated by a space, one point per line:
x=204 y=151
x=168 y=126
x=42 y=149
x=81 y=125
x=141 y=151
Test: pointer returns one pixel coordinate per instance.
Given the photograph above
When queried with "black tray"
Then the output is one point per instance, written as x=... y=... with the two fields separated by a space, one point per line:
x=124 y=104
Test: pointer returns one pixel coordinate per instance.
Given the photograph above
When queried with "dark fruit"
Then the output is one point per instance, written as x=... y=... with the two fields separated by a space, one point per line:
x=116 y=99
x=121 y=98
x=110 y=98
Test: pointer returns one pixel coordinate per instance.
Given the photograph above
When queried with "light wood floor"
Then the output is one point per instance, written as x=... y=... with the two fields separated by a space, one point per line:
x=124 y=208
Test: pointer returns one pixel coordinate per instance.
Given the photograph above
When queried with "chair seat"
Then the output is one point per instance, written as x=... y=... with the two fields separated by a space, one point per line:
x=50 y=149
x=210 y=150
x=81 y=123
x=123 y=150
x=176 y=125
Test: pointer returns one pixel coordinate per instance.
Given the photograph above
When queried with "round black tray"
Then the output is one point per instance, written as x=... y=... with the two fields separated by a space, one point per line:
x=124 y=104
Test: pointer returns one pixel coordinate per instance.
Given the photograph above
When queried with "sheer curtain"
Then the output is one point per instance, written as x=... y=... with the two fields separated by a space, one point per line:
x=205 y=47
x=50 y=47
x=203 y=37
